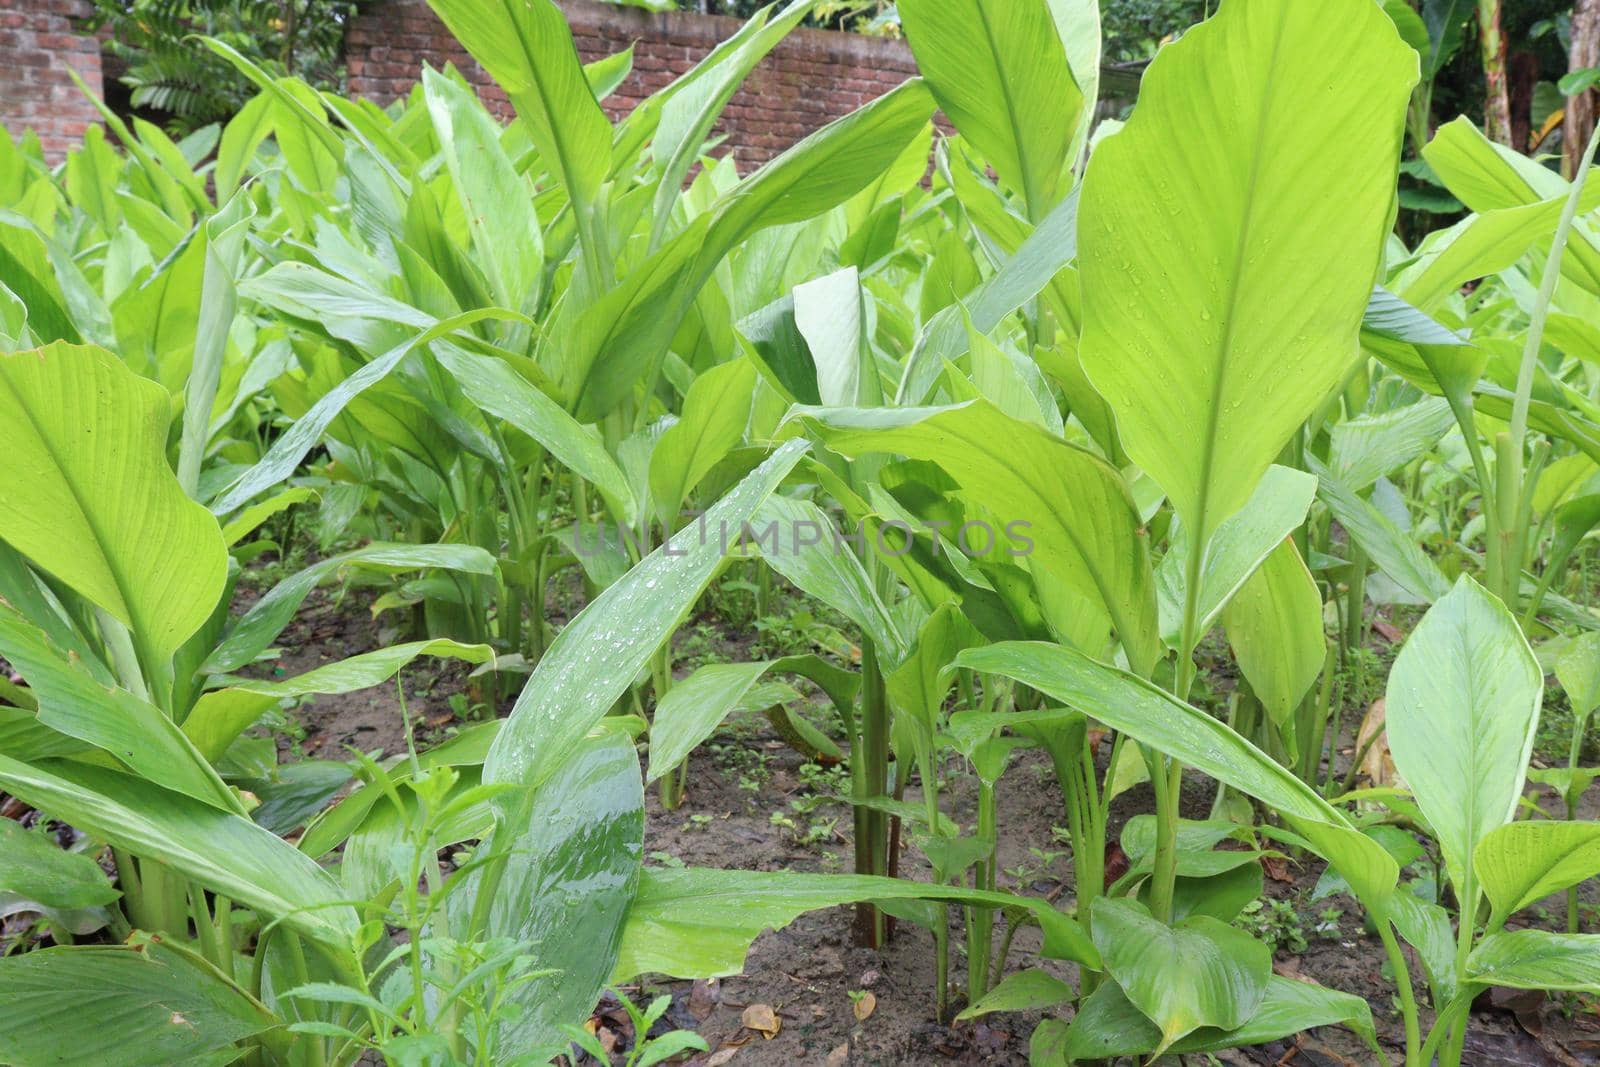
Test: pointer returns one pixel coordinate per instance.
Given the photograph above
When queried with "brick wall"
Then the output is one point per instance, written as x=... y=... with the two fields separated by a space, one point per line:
x=39 y=41
x=811 y=78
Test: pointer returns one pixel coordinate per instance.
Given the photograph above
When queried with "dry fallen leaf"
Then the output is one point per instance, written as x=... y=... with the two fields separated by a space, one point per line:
x=839 y=1056
x=1377 y=764
x=704 y=997
x=762 y=1019
x=721 y=1056
x=864 y=1006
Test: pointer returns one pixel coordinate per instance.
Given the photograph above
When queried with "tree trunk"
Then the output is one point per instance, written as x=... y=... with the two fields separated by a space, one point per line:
x=1585 y=53
x=1524 y=78
x=1497 y=97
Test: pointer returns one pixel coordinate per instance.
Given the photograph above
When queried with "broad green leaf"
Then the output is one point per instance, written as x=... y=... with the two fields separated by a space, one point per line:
x=366 y=670
x=241 y=137
x=88 y=495
x=1426 y=927
x=223 y=236
x=35 y=868
x=831 y=314
x=1483 y=175
x=1000 y=73
x=715 y=411
x=1274 y=624
x=241 y=525
x=694 y=707
x=1367 y=447
x=1521 y=863
x=1040 y=257
x=526 y=46
x=1260 y=160
x=796 y=538
x=288 y=450
x=699 y=923
x=1463 y=706
x=267 y=617
x=594 y=660
x=1389 y=317
x=227 y=854
x=1276 y=508
x=919 y=684
x=130 y=729
x=25 y=265
x=1078 y=23
x=497 y=201
x=1394 y=552
x=1080 y=517
x=690 y=111
x=150 y=1004
x=1197 y=972
x=1537 y=959
x=615 y=340
x=1025 y=990
x=1480 y=245
x=569 y=879
x=499 y=390
x=1578 y=671
x=1151 y=716
x=1108 y=1025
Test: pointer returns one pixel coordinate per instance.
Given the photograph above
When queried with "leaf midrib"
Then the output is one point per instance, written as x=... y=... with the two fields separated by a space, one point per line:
x=117 y=577
x=1218 y=388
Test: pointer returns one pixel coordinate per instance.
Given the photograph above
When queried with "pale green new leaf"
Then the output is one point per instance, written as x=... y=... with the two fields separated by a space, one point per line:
x=497 y=201
x=1274 y=624
x=1578 y=671
x=1197 y=972
x=692 y=709
x=715 y=411
x=1240 y=545
x=1523 y=862
x=1260 y=161
x=1537 y=959
x=1367 y=447
x=594 y=660
x=699 y=923
x=526 y=46
x=1080 y=516
x=1463 y=706
x=88 y=495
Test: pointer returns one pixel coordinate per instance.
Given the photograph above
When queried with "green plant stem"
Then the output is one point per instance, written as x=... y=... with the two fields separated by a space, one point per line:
x=873 y=756
x=315 y=1046
x=1356 y=599
x=1403 y=987
x=980 y=925
x=1166 y=774
x=941 y=929
x=1510 y=471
